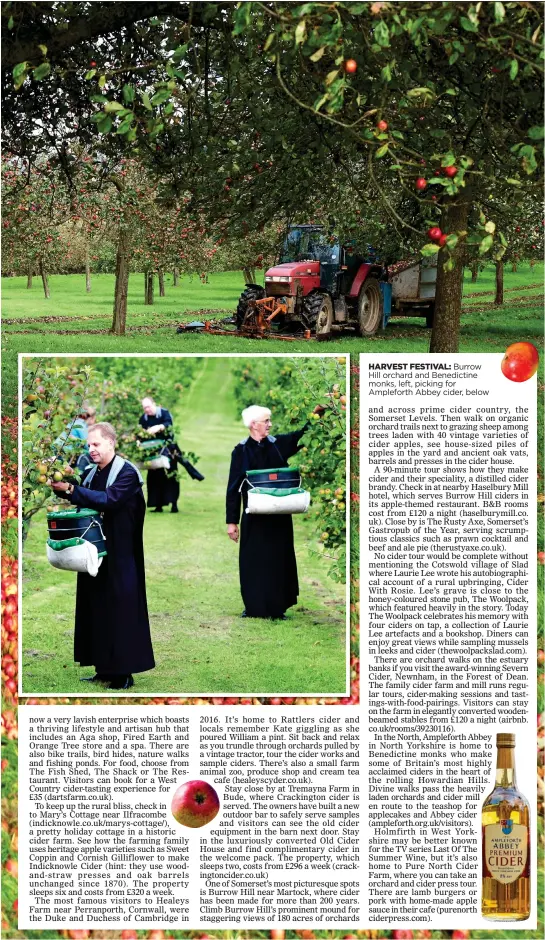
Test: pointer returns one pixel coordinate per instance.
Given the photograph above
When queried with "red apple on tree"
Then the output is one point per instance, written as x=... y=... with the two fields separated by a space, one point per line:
x=520 y=362
x=421 y=184
x=382 y=125
x=434 y=233
x=350 y=66
x=195 y=804
x=450 y=171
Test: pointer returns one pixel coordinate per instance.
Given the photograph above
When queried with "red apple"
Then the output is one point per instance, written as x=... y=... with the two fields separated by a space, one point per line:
x=435 y=233
x=520 y=362
x=382 y=125
x=443 y=240
x=350 y=66
x=450 y=171
x=421 y=184
x=195 y=804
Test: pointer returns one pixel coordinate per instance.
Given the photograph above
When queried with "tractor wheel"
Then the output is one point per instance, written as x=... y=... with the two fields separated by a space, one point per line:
x=370 y=307
x=252 y=292
x=318 y=310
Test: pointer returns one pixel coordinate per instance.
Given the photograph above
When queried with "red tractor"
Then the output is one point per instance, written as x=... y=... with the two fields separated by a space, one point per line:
x=318 y=287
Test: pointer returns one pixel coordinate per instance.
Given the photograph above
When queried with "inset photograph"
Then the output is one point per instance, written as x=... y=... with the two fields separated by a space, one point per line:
x=183 y=525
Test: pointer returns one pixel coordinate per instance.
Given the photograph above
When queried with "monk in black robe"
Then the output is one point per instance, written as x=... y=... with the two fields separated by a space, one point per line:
x=267 y=565
x=163 y=485
x=112 y=631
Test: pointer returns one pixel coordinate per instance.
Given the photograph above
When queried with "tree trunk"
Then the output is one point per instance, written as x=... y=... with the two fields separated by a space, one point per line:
x=176 y=277
x=532 y=263
x=161 y=283
x=498 y=299
x=514 y=267
x=448 y=293
x=150 y=287
x=121 y=284
x=29 y=277
x=87 y=273
x=474 y=268
x=45 y=280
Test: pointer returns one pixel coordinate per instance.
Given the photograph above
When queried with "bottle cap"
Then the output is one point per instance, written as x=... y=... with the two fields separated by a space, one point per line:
x=505 y=740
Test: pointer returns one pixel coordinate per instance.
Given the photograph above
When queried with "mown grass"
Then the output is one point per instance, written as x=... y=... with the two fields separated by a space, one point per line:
x=201 y=643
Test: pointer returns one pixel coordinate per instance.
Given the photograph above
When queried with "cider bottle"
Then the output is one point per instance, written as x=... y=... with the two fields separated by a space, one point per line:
x=506 y=842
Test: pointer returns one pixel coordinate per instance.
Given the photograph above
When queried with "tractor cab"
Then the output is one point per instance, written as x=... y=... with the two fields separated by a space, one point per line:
x=313 y=243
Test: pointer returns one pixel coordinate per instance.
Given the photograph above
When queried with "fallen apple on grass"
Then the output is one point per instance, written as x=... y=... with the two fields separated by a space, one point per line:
x=195 y=804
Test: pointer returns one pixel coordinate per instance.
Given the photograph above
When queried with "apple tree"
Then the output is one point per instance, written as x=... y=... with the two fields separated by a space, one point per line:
x=54 y=393
x=291 y=388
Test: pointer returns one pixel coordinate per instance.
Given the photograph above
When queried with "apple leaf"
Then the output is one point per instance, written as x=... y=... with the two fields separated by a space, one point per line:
x=316 y=56
x=113 y=106
x=161 y=96
x=428 y=250
x=537 y=132
x=104 y=126
x=514 y=69
x=382 y=34
x=41 y=71
x=499 y=12
x=300 y=32
x=90 y=74
x=382 y=151
x=486 y=244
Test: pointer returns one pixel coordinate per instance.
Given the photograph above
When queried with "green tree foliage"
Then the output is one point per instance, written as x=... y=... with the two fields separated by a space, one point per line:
x=54 y=392
x=291 y=387
x=256 y=110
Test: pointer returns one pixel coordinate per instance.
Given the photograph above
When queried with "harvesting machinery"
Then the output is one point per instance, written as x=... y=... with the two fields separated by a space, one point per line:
x=319 y=287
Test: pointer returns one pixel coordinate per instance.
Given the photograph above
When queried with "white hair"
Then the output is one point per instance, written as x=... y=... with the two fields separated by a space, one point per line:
x=254 y=413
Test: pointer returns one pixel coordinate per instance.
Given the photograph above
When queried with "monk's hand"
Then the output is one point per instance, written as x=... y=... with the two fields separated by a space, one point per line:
x=60 y=487
x=157 y=428
x=232 y=532
x=319 y=410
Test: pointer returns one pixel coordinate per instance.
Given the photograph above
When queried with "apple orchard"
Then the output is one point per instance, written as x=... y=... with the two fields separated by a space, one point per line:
x=155 y=138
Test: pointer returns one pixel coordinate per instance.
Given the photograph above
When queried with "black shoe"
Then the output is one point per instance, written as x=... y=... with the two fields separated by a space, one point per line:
x=96 y=678
x=174 y=508
x=280 y=617
x=244 y=614
x=122 y=683
x=158 y=509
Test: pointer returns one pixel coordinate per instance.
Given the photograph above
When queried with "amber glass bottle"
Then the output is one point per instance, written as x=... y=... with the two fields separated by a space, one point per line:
x=506 y=842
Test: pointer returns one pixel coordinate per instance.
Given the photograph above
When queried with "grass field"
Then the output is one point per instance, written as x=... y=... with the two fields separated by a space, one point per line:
x=201 y=644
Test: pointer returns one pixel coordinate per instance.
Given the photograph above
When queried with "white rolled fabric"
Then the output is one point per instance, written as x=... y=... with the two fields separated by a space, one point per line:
x=267 y=505
x=82 y=557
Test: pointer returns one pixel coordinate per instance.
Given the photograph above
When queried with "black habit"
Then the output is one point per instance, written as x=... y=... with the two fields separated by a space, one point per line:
x=163 y=486
x=268 y=569
x=112 y=630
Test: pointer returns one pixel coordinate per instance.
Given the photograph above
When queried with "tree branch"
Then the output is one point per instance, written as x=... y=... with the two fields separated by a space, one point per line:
x=103 y=19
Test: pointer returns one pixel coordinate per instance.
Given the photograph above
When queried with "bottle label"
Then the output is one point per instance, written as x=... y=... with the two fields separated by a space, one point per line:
x=506 y=849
